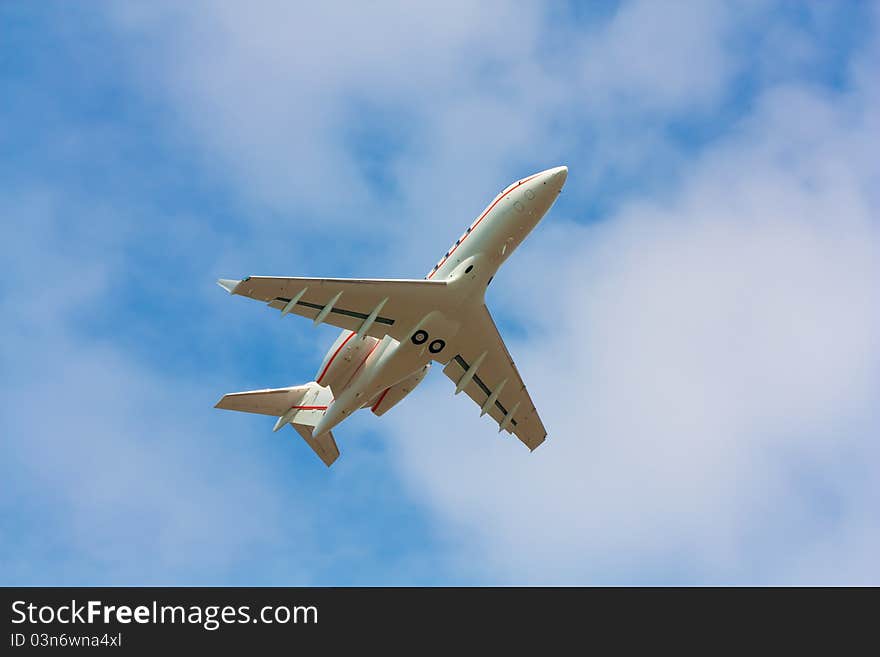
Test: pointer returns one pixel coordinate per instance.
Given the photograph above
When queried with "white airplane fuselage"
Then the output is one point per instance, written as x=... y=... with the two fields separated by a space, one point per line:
x=367 y=372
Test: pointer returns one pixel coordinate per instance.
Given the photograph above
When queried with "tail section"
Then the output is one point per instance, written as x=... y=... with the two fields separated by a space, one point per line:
x=301 y=406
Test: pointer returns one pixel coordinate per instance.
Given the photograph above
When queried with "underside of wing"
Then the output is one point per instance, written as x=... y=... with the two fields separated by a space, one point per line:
x=375 y=307
x=484 y=370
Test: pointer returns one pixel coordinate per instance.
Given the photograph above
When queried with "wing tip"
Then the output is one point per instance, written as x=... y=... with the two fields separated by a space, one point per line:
x=228 y=284
x=538 y=443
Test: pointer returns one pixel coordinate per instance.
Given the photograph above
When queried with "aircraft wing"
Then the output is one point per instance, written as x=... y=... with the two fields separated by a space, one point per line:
x=495 y=385
x=386 y=306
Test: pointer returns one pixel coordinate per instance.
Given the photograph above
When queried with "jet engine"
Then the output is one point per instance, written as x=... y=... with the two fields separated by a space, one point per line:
x=391 y=396
x=343 y=359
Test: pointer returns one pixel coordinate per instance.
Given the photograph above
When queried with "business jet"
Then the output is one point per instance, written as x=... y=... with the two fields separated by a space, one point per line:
x=394 y=329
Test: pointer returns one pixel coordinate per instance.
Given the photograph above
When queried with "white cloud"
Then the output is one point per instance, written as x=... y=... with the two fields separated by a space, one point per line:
x=654 y=55
x=103 y=452
x=708 y=367
x=472 y=94
x=266 y=88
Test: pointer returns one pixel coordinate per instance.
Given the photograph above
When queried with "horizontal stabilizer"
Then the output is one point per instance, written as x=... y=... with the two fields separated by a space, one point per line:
x=274 y=401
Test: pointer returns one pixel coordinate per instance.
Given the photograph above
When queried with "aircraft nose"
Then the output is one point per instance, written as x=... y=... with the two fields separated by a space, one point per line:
x=560 y=174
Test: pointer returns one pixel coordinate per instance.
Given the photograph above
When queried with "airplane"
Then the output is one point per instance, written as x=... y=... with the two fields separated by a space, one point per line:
x=394 y=329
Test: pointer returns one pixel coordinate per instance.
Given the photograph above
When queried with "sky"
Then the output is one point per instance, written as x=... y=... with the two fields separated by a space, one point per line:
x=697 y=318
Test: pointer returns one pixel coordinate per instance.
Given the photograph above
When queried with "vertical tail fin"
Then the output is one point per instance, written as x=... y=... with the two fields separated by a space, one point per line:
x=314 y=406
x=324 y=445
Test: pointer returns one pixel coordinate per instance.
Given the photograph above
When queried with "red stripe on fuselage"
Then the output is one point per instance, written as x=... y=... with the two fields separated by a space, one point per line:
x=338 y=349
x=507 y=190
x=379 y=401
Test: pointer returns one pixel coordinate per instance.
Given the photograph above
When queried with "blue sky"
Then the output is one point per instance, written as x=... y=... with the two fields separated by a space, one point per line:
x=697 y=318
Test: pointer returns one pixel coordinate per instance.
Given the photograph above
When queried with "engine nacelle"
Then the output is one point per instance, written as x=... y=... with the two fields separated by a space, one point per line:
x=391 y=396
x=343 y=359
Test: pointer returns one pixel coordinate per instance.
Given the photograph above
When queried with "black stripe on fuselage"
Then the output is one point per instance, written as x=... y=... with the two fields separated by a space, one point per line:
x=338 y=311
x=463 y=363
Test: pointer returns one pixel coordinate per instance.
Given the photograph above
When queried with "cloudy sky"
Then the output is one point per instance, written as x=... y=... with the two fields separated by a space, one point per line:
x=698 y=317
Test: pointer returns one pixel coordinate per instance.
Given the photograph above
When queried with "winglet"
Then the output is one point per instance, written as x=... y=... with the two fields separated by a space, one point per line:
x=228 y=284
